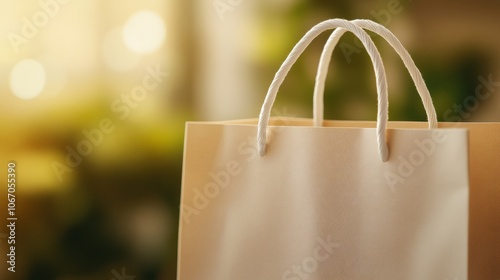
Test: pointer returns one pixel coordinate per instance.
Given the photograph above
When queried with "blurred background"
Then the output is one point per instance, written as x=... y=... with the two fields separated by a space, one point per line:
x=94 y=96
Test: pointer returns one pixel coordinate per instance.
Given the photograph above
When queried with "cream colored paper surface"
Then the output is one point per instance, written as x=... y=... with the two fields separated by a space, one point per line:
x=321 y=204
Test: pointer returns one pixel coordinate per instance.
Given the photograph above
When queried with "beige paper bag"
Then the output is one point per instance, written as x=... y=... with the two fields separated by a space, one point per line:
x=349 y=200
x=484 y=157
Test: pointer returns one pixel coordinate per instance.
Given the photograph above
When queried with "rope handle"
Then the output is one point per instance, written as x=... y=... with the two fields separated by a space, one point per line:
x=381 y=81
x=415 y=74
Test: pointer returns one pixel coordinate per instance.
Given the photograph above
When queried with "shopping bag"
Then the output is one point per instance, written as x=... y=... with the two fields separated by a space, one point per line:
x=484 y=153
x=278 y=198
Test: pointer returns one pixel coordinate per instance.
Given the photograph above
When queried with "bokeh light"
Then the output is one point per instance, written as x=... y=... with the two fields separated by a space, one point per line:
x=116 y=55
x=144 y=32
x=27 y=79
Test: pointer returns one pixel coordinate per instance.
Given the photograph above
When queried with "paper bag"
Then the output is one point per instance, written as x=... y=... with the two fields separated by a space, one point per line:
x=283 y=199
